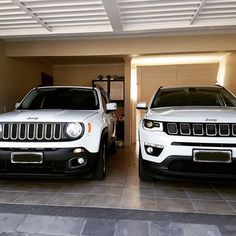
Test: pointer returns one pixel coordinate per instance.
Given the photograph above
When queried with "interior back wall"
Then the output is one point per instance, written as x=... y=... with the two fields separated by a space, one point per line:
x=17 y=77
x=230 y=73
x=82 y=75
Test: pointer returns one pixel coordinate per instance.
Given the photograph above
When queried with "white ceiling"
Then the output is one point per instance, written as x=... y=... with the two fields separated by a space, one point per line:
x=44 y=18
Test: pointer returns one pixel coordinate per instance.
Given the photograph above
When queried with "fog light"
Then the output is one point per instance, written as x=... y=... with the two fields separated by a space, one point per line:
x=153 y=149
x=81 y=161
x=150 y=150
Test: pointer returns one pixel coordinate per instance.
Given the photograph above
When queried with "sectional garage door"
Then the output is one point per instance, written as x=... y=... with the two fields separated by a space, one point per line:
x=152 y=77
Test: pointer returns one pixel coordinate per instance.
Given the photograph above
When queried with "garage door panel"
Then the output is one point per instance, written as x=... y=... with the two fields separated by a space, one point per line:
x=197 y=68
x=150 y=78
x=149 y=70
x=149 y=87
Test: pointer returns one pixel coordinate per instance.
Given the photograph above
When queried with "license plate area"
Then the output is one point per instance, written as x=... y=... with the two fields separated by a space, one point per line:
x=216 y=156
x=27 y=157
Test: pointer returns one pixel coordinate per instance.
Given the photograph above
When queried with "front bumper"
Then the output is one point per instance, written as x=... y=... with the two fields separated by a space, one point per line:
x=173 y=155
x=184 y=166
x=182 y=145
x=55 y=162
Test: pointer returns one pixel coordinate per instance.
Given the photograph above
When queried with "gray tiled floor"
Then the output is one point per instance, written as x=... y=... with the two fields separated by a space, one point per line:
x=123 y=189
x=42 y=225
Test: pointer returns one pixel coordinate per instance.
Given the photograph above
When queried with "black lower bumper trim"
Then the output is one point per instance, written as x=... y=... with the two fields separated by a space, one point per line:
x=56 y=162
x=184 y=166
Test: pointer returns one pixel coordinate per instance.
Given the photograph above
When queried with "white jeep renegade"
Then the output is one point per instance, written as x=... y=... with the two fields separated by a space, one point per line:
x=58 y=130
x=188 y=131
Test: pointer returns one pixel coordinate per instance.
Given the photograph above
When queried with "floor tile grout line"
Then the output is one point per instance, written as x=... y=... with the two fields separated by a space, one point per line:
x=192 y=203
x=116 y=227
x=82 y=228
x=23 y=194
x=127 y=169
x=48 y=202
x=224 y=199
x=156 y=199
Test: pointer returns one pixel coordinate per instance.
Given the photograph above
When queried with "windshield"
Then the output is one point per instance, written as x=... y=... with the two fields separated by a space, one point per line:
x=61 y=98
x=193 y=97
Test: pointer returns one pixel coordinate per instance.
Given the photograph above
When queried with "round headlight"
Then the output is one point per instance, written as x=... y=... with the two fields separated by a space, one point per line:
x=149 y=123
x=73 y=130
x=152 y=125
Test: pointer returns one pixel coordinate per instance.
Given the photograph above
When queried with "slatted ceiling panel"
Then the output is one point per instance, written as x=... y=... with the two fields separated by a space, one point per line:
x=26 y=17
x=70 y=13
x=149 y=14
x=53 y=3
x=52 y=17
x=215 y=11
x=12 y=17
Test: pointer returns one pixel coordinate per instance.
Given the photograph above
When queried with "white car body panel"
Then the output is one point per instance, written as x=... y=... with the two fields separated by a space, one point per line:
x=190 y=114
x=98 y=119
x=185 y=114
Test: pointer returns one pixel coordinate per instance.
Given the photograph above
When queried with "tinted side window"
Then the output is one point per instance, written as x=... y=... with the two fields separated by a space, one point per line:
x=105 y=99
x=229 y=99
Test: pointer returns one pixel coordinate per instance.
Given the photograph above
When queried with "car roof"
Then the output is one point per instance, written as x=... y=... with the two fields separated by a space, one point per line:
x=78 y=87
x=190 y=86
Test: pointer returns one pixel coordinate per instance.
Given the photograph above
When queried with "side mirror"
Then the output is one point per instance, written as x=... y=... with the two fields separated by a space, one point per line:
x=111 y=107
x=142 y=106
x=17 y=105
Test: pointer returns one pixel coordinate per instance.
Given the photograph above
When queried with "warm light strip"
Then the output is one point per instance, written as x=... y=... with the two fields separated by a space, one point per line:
x=133 y=84
x=178 y=59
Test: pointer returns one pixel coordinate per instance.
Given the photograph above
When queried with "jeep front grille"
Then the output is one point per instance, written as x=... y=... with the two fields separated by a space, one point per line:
x=200 y=129
x=32 y=131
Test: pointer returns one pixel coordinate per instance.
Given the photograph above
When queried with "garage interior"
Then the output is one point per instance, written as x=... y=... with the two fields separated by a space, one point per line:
x=149 y=44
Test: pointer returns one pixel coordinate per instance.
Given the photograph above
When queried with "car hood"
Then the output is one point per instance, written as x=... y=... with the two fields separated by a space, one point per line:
x=46 y=116
x=196 y=114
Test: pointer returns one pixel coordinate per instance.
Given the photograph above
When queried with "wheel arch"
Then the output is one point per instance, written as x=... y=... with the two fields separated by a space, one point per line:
x=104 y=136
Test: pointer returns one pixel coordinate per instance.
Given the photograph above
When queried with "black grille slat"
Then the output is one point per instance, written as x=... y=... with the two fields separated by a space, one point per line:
x=14 y=131
x=6 y=131
x=185 y=129
x=234 y=129
x=172 y=128
x=48 y=131
x=200 y=129
x=22 y=131
x=32 y=131
x=224 y=130
x=39 y=134
x=211 y=130
x=57 y=131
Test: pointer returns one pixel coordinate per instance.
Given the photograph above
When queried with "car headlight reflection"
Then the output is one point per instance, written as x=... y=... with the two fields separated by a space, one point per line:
x=74 y=130
x=152 y=125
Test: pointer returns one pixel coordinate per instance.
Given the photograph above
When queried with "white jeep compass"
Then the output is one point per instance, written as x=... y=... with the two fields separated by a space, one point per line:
x=58 y=131
x=188 y=131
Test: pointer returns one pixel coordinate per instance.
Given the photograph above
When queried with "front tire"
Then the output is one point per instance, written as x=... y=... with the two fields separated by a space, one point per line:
x=142 y=174
x=100 y=169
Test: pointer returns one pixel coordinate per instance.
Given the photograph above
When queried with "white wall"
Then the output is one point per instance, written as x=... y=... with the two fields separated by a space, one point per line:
x=230 y=72
x=17 y=77
x=83 y=75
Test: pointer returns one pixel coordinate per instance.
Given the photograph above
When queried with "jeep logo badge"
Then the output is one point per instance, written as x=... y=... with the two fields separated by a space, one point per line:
x=32 y=118
x=211 y=120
